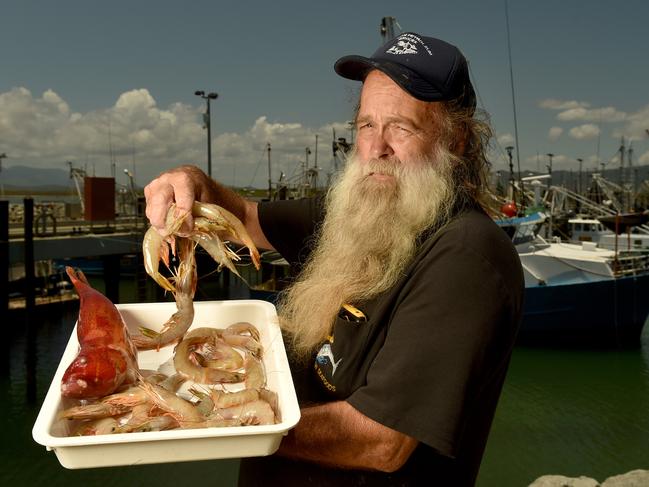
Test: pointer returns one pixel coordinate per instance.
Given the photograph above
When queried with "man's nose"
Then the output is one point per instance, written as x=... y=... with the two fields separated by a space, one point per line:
x=380 y=146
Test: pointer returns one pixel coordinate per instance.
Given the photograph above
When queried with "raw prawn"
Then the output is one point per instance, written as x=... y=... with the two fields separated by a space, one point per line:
x=103 y=426
x=155 y=247
x=111 y=405
x=141 y=420
x=222 y=220
x=107 y=357
x=223 y=399
x=205 y=375
x=184 y=288
x=249 y=413
x=183 y=411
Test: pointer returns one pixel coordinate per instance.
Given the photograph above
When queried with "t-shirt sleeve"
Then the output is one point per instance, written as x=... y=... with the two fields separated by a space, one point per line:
x=290 y=226
x=447 y=345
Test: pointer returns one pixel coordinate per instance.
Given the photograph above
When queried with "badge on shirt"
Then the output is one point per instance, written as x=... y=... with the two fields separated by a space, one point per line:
x=325 y=359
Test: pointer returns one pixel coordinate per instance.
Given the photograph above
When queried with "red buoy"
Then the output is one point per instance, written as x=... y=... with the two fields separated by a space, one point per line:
x=509 y=209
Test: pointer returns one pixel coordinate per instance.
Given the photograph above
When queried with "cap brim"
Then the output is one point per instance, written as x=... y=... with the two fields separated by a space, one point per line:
x=354 y=67
x=357 y=67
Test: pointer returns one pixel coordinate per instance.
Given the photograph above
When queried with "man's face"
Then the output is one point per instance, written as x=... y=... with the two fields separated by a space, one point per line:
x=391 y=124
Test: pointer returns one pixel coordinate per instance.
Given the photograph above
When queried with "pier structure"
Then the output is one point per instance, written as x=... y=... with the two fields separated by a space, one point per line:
x=107 y=241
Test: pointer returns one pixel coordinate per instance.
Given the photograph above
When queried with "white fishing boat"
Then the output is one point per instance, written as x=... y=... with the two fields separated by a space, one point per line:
x=579 y=294
x=584 y=229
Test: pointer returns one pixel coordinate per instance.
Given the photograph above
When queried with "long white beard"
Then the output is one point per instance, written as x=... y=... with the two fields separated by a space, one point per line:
x=368 y=238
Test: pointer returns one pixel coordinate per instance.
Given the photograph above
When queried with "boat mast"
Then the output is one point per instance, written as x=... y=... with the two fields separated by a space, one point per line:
x=387 y=28
x=511 y=79
x=270 y=186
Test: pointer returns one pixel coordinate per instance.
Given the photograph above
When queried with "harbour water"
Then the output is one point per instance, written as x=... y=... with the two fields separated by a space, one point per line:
x=569 y=412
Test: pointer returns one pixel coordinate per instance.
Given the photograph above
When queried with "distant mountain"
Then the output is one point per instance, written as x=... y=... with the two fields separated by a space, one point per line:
x=32 y=177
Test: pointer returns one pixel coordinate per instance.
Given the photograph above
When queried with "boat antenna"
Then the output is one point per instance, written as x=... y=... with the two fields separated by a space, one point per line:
x=511 y=79
x=387 y=28
x=110 y=151
x=270 y=184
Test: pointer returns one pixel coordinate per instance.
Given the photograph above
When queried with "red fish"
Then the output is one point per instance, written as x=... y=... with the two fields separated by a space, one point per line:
x=107 y=357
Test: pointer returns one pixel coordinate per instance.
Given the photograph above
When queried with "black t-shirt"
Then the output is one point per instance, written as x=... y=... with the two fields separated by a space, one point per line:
x=428 y=359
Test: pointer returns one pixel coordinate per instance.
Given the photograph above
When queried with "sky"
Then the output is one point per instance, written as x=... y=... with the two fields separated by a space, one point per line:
x=93 y=82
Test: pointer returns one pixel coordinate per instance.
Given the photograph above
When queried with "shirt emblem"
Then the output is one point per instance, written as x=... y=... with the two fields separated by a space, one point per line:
x=326 y=355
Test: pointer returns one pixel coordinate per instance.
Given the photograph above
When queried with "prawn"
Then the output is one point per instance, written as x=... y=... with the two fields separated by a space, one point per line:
x=141 y=420
x=249 y=413
x=155 y=247
x=184 y=288
x=223 y=399
x=112 y=405
x=102 y=426
x=183 y=411
x=224 y=221
x=192 y=371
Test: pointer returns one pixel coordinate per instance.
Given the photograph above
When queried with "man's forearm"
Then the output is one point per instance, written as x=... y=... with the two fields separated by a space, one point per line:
x=335 y=434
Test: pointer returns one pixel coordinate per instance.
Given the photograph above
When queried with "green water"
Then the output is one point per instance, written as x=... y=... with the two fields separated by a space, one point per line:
x=561 y=412
x=572 y=413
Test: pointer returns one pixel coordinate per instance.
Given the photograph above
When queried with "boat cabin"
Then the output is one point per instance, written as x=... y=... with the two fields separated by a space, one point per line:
x=592 y=230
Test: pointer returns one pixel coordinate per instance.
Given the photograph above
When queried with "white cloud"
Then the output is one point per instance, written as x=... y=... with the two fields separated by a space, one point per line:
x=554 y=133
x=586 y=131
x=43 y=132
x=636 y=126
x=606 y=114
x=554 y=104
x=572 y=110
x=505 y=139
x=644 y=158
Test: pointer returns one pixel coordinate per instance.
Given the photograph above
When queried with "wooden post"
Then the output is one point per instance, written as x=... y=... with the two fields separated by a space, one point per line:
x=4 y=279
x=30 y=301
x=28 y=220
x=111 y=277
x=4 y=259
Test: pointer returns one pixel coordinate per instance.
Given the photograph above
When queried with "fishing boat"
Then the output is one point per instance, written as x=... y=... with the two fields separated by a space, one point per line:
x=578 y=294
x=586 y=229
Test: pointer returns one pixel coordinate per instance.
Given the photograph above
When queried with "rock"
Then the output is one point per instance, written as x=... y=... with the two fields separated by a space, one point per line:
x=634 y=478
x=561 y=481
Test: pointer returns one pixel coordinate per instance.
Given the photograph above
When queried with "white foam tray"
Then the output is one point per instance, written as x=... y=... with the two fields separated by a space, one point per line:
x=182 y=444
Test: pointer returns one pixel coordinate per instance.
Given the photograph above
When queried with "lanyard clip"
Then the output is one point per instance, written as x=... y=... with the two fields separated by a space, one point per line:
x=351 y=313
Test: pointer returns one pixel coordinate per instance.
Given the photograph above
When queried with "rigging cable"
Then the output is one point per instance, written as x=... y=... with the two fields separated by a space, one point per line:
x=257 y=168
x=511 y=78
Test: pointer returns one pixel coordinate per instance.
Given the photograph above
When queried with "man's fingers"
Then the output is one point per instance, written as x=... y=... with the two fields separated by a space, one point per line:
x=158 y=201
x=170 y=187
x=183 y=192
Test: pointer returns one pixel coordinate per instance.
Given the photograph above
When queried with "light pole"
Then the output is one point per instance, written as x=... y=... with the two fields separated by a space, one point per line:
x=509 y=150
x=208 y=122
x=2 y=186
x=550 y=156
x=580 y=161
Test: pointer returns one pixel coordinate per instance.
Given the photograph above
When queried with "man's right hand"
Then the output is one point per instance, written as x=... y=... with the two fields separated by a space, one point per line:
x=182 y=185
x=186 y=184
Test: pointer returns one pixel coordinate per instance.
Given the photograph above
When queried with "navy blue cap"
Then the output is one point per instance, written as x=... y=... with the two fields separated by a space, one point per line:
x=427 y=68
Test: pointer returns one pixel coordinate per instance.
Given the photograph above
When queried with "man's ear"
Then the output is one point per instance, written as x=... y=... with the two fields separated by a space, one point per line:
x=460 y=140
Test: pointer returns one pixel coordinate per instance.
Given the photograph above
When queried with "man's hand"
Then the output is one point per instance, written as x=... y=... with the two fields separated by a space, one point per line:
x=186 y=184
x=182 y=186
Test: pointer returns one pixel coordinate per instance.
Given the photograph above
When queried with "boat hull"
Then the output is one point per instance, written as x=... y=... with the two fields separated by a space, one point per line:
x=607 y=313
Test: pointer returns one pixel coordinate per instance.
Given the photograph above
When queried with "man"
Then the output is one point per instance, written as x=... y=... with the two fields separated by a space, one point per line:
x=402 y=320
